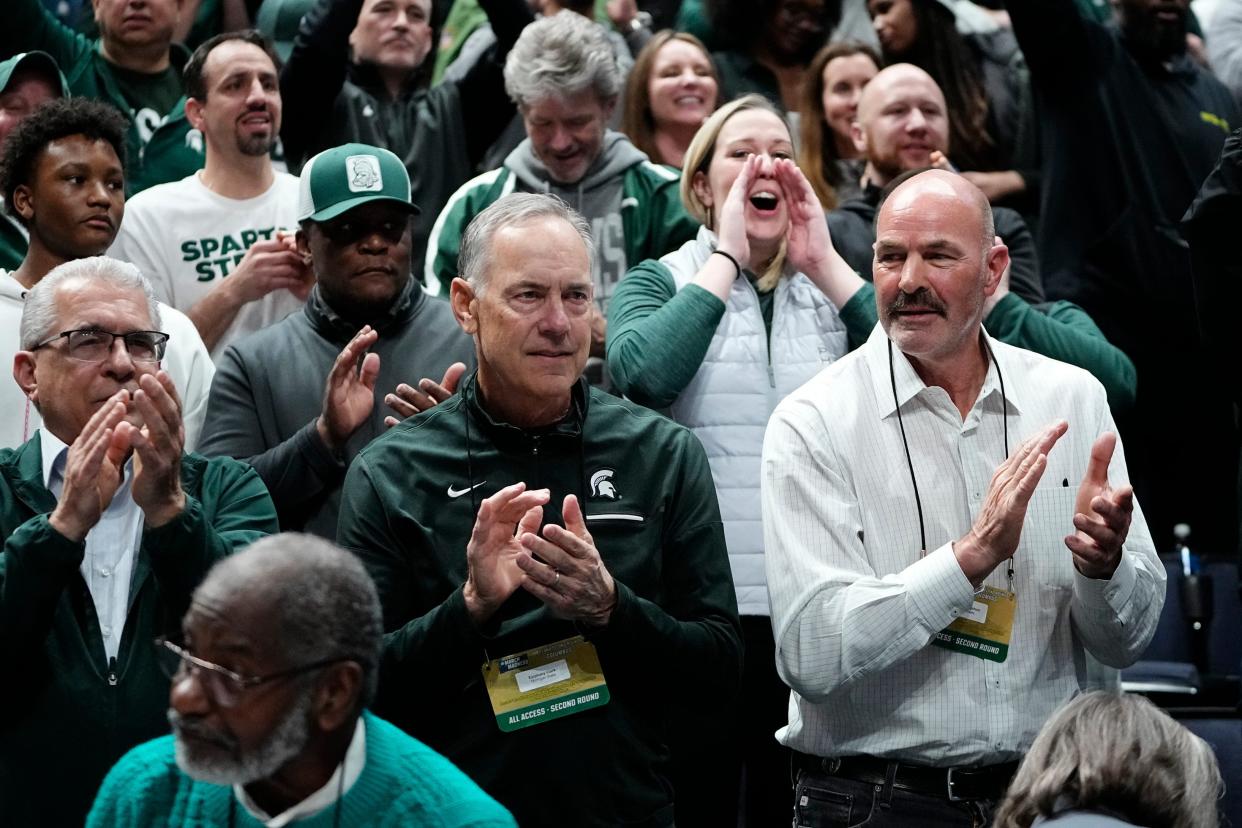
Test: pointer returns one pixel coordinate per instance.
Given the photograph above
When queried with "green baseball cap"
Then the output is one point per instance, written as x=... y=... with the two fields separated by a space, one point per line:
x=41 y=61
x=279 y=20
x=342 y=178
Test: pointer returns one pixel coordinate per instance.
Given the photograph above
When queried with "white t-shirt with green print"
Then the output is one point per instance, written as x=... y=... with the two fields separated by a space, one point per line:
x=185 y=239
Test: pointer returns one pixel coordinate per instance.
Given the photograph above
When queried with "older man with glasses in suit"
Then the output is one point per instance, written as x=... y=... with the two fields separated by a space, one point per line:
x=108 y=528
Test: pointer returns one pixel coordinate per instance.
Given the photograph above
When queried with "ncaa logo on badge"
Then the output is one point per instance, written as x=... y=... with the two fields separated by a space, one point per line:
x=602 y=485
x=364 y=174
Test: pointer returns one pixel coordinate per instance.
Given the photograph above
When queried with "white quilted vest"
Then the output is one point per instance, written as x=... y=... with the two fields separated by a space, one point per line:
x=729 y=400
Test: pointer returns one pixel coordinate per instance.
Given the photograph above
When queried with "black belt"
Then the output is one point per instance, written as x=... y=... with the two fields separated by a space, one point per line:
x=953 y=784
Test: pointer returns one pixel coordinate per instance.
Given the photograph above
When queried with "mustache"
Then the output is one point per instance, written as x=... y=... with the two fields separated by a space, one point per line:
x=921 y=298
x=192 y=727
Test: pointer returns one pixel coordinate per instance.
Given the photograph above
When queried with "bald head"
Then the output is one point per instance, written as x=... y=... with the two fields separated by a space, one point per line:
x=299 y=599
x=935 y=265
x=902 y=118
x=916 y=189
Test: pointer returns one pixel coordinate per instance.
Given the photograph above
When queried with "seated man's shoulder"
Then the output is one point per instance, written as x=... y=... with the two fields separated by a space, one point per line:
x=144 y=779
x=265 y=348
x=418 y=781
x=159 y=194
x=429 y=432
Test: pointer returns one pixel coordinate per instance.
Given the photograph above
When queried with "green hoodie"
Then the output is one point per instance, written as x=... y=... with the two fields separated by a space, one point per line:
x=633 y=206
x=673 y=642
x=173 y=150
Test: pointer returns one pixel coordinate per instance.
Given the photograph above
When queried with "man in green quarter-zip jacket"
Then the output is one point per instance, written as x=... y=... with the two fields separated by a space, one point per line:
x=108 y=527
x=546 y=662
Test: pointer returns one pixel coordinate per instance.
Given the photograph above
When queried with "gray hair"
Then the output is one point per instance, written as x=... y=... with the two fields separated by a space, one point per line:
x=1119 y=752
x=561 y=55
x=475 y=259
x=39 y=314
x=323 y=603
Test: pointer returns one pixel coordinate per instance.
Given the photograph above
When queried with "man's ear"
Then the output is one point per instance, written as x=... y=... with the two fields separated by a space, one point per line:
x=610 y=106
x=859 y=138
x=23 y=203
x=24 y=374
x=194 y=113
x=465 y=305
x=997 y=264
x=337 y=695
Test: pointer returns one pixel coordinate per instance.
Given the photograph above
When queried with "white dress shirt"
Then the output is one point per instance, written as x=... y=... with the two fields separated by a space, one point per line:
x=111 y=544
x=854 y=606
x=352 y=765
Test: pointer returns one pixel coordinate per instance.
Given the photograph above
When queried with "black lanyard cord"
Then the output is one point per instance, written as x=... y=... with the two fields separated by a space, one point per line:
x=918 y=501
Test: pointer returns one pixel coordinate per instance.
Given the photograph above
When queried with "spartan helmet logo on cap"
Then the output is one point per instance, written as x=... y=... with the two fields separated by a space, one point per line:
x=364 y=174
x=601 y=485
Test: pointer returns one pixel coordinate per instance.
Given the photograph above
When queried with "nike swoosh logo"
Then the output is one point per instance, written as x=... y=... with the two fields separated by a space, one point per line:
x=459 y=492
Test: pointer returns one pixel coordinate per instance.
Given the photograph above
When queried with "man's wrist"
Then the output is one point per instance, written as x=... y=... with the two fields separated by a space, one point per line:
x=478 y=610
x=325 y=435
x=975 y=562
x=166 y=512
x=74 y=530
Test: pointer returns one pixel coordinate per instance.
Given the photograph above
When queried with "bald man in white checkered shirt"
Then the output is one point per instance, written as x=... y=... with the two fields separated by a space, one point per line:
x=953 y=549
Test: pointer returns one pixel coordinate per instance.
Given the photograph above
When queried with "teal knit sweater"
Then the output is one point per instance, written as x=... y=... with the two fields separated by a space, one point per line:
x=404 y=783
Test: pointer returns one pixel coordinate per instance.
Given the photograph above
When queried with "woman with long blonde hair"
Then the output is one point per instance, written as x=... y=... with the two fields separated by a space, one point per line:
x=718 y=332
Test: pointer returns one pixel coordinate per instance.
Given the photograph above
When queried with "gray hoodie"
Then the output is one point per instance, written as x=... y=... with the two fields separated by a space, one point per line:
x=597 y=196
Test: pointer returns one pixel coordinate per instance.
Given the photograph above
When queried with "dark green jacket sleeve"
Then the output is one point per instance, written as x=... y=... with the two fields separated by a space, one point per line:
x=658 y=223
x=27 y=26
x=657 y=336
x=1064 y=331
x=860 y=315
x=230 y=510
x=38 y=562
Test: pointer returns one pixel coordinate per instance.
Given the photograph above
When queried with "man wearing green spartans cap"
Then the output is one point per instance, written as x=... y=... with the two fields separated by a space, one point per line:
x=26 y=81
x=297 y=400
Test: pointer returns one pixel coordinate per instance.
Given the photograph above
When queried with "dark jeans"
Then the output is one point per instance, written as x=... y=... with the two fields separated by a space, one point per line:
x=823 y=801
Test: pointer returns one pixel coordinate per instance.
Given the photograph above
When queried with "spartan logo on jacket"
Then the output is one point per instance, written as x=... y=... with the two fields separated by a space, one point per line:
x=602 y=485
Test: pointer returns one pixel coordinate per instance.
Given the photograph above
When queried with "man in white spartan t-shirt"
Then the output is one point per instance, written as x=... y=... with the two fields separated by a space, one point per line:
x=218 y=244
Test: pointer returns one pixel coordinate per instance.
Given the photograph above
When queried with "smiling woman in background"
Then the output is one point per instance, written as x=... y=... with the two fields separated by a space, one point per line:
x=671 y=91
x=827 y=155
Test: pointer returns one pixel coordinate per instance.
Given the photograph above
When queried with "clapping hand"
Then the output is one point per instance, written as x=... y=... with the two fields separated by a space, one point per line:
x=564 y=570
x=1101 y=515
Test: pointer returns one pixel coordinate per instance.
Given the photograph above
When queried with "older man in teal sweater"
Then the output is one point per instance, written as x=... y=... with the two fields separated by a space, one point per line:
x=277 y=661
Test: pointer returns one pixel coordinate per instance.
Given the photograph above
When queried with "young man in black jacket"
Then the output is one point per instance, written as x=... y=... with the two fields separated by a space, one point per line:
x=550 y=558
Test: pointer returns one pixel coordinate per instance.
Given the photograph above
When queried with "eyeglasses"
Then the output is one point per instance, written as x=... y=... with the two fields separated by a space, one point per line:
x=221 y=684
x=94 y=345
